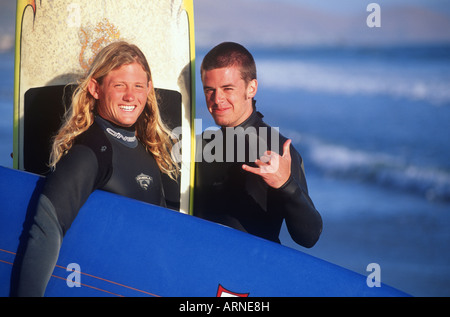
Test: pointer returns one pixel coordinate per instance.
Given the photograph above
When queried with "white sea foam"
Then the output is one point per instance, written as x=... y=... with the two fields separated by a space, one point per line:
x=432 y=85
x=378 y=168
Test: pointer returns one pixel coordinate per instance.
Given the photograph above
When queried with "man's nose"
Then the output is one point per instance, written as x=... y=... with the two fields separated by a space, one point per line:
x=218 y=96
x=129 y=94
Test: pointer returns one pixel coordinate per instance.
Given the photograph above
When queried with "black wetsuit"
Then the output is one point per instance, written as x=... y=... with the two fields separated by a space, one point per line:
x=105 y=157
x=227 y=194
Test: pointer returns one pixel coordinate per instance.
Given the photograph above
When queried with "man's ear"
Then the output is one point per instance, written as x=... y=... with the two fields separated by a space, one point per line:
x=252 y=88
x=94 y=88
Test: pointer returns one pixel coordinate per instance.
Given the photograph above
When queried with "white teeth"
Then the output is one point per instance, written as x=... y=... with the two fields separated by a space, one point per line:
x=127 y=108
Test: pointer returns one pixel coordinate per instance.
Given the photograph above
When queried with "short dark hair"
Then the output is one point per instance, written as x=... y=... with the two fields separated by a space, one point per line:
x=229 y=54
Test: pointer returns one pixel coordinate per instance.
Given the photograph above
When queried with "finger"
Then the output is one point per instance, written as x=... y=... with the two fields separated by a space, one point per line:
x=264 y=159
x=263 y=166
x=254 y=170
x=287 y=148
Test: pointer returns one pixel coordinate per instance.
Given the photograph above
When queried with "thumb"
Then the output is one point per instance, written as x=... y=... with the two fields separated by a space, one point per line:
x=286 y=148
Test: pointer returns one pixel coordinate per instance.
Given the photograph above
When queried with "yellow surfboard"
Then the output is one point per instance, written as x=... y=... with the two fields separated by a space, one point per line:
x=56 y=41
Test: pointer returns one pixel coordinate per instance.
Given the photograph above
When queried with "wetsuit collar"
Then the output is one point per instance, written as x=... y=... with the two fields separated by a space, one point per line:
x=126 y=136
x=254 y=118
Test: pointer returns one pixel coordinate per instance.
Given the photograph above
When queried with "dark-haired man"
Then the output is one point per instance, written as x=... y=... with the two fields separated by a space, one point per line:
x=249 y=177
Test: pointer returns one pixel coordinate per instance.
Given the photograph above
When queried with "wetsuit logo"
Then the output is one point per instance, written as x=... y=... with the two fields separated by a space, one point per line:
x=144 y=181
x=120 y=136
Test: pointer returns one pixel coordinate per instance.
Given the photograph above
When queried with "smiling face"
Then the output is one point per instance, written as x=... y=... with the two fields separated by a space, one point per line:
x=228 y=96
x=122 y=94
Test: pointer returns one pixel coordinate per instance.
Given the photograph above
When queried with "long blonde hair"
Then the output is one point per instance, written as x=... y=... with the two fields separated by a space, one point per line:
x=150 y=130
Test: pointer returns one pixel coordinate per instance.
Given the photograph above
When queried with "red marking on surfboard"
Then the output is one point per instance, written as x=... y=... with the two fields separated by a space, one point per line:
x=223 y=292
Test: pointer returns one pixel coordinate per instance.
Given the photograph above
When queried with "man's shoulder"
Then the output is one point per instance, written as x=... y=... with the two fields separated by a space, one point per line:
x=96 y=140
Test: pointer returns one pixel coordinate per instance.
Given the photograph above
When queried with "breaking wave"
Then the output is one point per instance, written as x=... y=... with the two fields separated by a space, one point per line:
x=377 y=168
x=429 y=83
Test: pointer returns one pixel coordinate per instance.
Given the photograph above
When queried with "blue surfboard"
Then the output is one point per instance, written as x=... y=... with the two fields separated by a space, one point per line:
x=122 y=247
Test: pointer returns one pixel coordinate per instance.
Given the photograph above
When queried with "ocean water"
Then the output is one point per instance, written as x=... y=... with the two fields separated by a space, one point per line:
x=372 y=126
x=6 y=107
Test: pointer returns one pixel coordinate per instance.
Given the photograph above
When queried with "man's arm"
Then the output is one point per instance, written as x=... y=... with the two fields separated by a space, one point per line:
x=289 y=194
x=65 y=191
